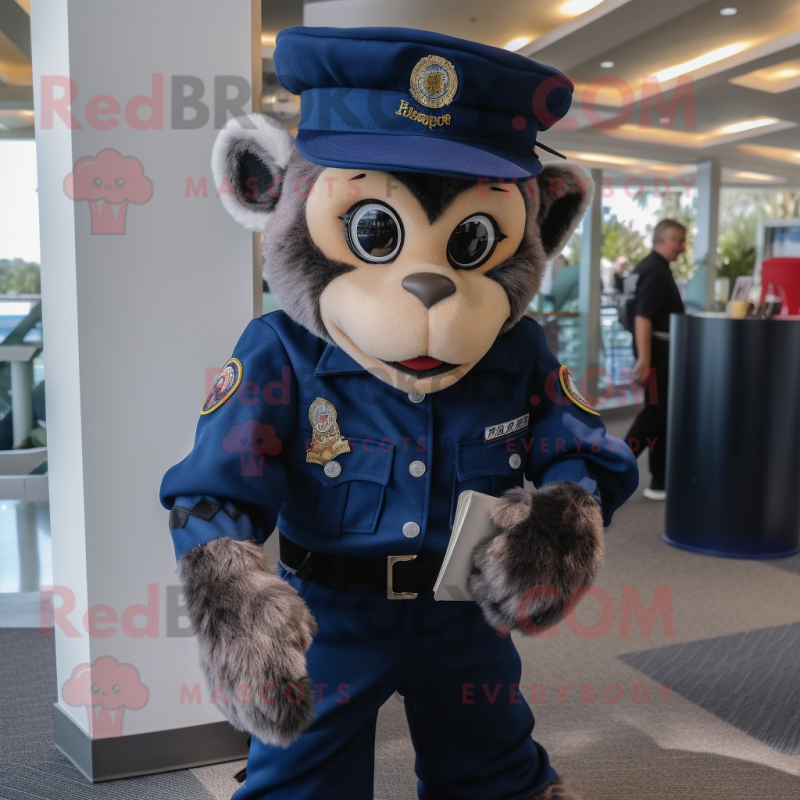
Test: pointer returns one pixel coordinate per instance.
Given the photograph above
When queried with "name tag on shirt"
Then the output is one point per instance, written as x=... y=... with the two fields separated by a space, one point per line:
x=505 y=428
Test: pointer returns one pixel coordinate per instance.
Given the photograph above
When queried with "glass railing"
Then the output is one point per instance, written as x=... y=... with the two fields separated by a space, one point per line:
x=566 y=335
x=616 y=359
x=21 y=373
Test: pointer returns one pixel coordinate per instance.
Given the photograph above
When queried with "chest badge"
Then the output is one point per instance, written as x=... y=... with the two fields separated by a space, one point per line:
x=326 y=441
x=571 y=391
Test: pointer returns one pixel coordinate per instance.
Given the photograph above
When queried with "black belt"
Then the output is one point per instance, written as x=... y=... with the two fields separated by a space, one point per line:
x=403 y=577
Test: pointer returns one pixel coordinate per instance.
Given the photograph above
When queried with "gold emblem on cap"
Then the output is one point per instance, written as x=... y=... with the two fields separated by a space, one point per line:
x=434 y=82
x=326 y=441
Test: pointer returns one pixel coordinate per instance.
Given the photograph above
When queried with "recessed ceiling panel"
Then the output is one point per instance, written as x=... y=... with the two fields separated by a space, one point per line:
x=775 y=79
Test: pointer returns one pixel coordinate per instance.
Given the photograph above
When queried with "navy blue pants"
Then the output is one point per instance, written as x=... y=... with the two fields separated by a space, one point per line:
x=470 y=725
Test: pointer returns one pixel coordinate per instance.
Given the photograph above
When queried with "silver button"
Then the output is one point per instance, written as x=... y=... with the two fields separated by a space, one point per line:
x=333 y=469
x=417 y=468
x=416 y=397
x=411 y=529
x=515 y=461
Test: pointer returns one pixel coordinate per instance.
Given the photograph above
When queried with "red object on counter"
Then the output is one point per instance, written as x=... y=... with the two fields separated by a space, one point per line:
x=786 y=273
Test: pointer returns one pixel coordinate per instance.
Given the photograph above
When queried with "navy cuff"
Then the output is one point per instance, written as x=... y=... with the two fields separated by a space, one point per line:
x=199 y=520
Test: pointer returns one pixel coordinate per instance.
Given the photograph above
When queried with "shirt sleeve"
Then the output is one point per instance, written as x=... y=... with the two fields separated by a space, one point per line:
x=233 y=482
x=569 y=443
x=649 y=295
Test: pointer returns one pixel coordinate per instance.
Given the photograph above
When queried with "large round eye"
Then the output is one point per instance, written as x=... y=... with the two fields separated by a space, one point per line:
x=373 y=231
x=473 y=241
x=97 y=183
x=119 y=183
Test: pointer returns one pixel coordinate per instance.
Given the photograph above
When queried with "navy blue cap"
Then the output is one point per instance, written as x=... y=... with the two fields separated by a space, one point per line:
x=404 y=100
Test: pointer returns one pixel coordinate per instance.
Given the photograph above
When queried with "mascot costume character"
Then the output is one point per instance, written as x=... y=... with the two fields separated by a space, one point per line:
x=405 y=231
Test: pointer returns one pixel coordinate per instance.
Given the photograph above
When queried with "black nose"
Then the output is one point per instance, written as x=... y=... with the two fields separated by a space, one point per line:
x=428 y=287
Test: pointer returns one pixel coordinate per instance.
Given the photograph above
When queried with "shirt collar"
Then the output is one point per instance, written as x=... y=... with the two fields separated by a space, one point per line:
x=499 y=357
x=659 y=258
x=334 y=360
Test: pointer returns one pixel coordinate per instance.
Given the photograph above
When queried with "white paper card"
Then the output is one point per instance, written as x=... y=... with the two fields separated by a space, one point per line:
x=470 y=526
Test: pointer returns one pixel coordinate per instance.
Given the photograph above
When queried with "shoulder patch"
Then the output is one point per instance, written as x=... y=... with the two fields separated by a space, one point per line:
x=225 y=385
x=572 y=392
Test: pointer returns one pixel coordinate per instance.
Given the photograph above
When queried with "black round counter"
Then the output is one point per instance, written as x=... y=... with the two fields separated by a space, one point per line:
x=733 y=448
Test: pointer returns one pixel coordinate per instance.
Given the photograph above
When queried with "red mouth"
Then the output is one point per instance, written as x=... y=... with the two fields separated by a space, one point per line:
x=421 y=363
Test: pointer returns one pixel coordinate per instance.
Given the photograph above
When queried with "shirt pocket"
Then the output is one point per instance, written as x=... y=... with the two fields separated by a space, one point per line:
x=487 y=467
x=350 y=502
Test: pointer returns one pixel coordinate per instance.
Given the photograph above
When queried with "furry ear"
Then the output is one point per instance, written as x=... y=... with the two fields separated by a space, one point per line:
x=249 y=160
x=565 y=191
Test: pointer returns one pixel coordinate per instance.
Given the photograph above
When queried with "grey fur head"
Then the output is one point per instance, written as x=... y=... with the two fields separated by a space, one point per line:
x=294 y=267
x=270 y=183
x=248 y=155
x=556 y=201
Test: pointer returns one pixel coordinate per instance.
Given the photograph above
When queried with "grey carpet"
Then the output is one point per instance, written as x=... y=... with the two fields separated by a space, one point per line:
x=30 y=766
x=791 y=564
x=750 y=680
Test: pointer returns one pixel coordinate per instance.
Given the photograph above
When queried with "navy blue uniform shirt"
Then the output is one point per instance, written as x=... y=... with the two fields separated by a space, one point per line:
x=410 y=455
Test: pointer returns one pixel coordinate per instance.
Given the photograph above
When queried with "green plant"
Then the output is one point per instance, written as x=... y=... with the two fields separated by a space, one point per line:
x=19 y=277
x=620 y=239
x=737 y=246
x=572 y=249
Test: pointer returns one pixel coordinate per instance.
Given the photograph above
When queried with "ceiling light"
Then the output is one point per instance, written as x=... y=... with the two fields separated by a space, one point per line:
x=701 y=61
x=783 y=154
x=664 y=168
x=606 y=64
x=575 y=7
x=665 y=120
x=268 y=39
x=748 y=125
x=599 y=157
x=755 y=176
x=516 y=44
x=728 y=12
x=26 y=113
x=789 y=72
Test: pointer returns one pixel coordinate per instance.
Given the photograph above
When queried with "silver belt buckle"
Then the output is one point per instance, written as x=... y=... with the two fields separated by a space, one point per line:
x=390 y=592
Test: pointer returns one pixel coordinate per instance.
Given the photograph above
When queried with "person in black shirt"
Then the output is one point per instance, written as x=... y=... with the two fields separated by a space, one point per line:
x=656 y=296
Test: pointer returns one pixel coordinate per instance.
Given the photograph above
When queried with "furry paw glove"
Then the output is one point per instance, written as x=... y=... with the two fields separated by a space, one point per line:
x=253 y=631
x=545 y=548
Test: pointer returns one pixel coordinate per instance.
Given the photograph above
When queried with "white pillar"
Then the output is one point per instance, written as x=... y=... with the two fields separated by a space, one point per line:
x=590 y=283
x=136 y=315
x=700 y=290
